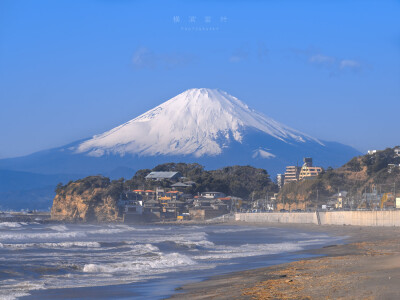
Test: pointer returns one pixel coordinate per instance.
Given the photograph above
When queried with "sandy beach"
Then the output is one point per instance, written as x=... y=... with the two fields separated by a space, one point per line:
x=367 y=266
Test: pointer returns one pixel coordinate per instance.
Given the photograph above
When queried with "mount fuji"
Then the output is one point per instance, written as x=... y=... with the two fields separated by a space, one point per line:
x=207 y=126
x=198 y=122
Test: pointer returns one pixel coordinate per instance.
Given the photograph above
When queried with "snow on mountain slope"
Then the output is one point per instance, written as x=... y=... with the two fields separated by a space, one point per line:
x=199 y=122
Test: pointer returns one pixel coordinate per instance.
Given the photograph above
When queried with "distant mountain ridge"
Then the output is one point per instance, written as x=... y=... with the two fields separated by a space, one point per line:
x=206 y=126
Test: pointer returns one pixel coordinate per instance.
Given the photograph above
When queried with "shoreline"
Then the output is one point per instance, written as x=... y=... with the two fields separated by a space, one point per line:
x=362 y=264
x=365 y=266
x=168 y=287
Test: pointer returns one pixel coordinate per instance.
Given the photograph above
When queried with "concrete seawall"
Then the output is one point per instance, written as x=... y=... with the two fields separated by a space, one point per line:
x=359 y=218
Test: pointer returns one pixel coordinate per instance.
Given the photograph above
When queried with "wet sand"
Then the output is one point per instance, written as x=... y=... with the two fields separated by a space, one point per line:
x=367 y=266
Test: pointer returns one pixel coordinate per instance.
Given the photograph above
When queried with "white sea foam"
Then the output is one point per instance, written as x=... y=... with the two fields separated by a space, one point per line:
x=186 y=239
x=228 y=252
x=41 y=236
x=12 y=295
x=228 y=230
x=107 y=231
x=59 y=228
x=10 y=225
x=53 y=245
x=142 y=264
x=112 y=229
x=146 y=248
x=18 y=289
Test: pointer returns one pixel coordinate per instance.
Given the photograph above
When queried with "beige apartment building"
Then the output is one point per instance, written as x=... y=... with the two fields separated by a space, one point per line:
x=294 y=173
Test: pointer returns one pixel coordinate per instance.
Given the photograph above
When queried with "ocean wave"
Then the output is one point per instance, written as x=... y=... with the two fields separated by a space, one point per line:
x=228 y=230
x=144 y=248
x=11 y=224
x=192 y=244
x=228 y=252
x=41 y=236
x=18 y=289
x=12 y=295
x=53 y=245
x=186 y=239
x=112 y=229
x=59 y=228
x=165 y=262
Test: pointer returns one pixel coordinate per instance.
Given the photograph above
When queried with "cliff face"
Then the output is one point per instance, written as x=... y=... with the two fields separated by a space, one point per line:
x=92 y=199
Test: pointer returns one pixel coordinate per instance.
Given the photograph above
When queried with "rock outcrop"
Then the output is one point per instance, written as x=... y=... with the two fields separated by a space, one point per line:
x=92 y=199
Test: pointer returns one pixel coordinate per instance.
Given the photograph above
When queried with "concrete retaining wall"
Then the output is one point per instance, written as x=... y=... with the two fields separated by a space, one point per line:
x=301 y=218
x=360 y=218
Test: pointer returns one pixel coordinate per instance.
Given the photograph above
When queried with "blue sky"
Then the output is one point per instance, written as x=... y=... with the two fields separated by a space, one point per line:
x=71 y=69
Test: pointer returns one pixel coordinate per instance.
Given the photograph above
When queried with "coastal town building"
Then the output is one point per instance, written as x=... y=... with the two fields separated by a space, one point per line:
x=173 y=202
x=340 y=199
x=292 y=174
x=307 y=172
x=280 y=180
x=307 y=162
x=212 y=195
x=164 y=175
x=397 y=151
x=392 y=167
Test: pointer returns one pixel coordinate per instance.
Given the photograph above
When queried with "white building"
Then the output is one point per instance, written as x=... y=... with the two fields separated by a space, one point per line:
x=397 y=151
x=212 y=195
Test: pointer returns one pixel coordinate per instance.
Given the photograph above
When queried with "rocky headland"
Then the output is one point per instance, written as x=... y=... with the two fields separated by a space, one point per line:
x=92 y=199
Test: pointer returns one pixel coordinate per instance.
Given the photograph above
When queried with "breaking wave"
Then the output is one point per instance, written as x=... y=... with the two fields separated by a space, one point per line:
x=73 y=255
x=11 y=224
x=172 y=260
x=52 y=245
x=41 y=236
x=228 y=252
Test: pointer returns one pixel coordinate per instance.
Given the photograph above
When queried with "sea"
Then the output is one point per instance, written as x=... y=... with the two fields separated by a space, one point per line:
x=118 y=261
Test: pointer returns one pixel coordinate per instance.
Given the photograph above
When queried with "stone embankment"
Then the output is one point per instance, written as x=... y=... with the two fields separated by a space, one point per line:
x=357 y=218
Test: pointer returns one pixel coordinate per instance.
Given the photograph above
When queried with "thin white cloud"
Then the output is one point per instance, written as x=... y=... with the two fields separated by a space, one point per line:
x=144 y=58
x=321 y=59
x=350 y=64
x=335 y=65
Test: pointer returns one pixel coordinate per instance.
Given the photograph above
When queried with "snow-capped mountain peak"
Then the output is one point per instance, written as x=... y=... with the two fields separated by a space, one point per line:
x=196 y=122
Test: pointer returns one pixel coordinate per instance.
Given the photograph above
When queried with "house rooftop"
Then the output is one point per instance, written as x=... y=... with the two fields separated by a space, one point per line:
x=180 y=184
x=163 y=175
x=151 y=202
x=190 y=182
